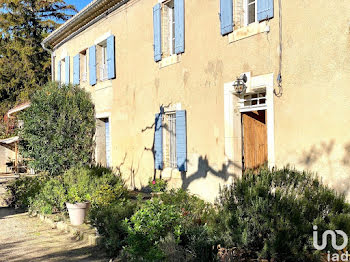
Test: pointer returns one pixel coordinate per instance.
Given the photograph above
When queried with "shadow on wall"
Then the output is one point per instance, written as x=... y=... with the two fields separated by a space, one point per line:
x=204 y=168
x=324 y=150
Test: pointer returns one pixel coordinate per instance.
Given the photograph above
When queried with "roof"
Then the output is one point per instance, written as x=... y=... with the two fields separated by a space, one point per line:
x=10 y=140
x=18 y=108
x=90 y=14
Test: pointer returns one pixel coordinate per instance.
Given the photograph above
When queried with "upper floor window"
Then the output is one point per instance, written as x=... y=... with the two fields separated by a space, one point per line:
x=102 y=61
x=168 y=28
x=103 y=64
x=235 y=14
x=83 y=66
x=251 y=11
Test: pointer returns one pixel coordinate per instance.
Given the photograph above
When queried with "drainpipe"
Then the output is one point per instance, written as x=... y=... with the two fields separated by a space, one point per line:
x=51 y=53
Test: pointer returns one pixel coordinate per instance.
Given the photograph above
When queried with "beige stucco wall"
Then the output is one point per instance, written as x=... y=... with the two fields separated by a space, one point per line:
x=5 y=155
x=311 y=117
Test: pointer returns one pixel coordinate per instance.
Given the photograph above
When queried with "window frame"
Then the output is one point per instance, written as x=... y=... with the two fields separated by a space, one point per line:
x=246 y=12
x=169 y=39
x=83 y=65
x=169 y=140
x=103 y=67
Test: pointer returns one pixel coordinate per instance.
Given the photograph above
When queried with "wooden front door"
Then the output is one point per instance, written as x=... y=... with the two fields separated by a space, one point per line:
x=254 y=132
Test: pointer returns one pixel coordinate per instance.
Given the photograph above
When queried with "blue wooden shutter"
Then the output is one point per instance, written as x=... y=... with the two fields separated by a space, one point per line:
x=59 y=71
x=158 y=142
x=67 y=70
x=226 y=16
x=181 y=140
x=264 y=9
x=108 y=144
x=111 y=57
x=179 y=7
x=92 y=65
x=76 y=70
x=157 y=28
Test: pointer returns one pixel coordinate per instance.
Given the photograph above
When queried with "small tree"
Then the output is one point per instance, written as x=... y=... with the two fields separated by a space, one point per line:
x=58 y=129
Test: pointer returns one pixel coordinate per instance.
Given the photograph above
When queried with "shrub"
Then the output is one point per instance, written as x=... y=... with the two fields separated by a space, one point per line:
x=58 y=129
x=24 y=189
x=52 y=197
x=272 y=213
x=145 y=228
x=171 y=227
x=157 y=185
x=109 y=221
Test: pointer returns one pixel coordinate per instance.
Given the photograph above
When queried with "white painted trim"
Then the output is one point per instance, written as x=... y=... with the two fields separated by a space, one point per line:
x=257 y=82
x=102 y=38
x=253 y=108
x=103 y=115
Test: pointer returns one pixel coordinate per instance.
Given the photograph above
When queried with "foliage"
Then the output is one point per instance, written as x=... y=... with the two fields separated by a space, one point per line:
x=108 y=219
x=24 y=64
x=272 y=213
x=157 y=185
x=51 y=198
x=24 y=189
x=100 y=186
x=145 y=228
x=58 y=129
x=170 y=227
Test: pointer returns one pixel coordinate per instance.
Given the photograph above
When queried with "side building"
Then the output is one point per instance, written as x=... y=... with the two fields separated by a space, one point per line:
x=167 y=77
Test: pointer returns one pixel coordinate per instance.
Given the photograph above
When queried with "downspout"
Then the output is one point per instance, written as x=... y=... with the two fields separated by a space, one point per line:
x=51 y=53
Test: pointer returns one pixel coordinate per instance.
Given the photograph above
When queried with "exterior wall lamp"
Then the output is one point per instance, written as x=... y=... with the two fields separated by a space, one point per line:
x=240 y=84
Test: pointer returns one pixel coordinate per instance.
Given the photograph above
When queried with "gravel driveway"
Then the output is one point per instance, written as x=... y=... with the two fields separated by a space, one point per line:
x=23 y=238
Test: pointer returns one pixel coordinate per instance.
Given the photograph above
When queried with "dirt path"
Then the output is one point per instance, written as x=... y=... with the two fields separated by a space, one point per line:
x=28 y=239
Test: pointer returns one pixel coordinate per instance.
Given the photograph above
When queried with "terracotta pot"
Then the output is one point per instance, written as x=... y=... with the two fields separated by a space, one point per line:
x=77 y=212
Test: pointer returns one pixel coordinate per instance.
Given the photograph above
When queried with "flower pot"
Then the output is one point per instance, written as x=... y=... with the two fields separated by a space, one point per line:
x=77 y=212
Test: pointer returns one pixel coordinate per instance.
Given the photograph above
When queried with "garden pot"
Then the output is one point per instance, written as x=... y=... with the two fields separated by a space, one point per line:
x=77 y=212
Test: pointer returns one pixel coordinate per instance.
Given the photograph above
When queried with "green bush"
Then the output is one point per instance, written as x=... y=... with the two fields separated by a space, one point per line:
x=173 y=226
x=272 y=214
x=24 y=189
x=98 y=185
x=109 y=221
x=58 y=129
x=51 y=198
x=157 y=185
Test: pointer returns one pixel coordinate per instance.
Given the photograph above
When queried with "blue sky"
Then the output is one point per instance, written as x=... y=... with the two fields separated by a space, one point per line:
x=79 y=4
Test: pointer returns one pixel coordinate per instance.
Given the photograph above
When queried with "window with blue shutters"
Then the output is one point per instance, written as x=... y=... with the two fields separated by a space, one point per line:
x=169 y=28
x=171 y=140
x=236 y=14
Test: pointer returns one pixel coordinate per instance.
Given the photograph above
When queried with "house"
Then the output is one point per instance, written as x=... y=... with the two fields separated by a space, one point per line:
x=9 y=154
x=198 y=91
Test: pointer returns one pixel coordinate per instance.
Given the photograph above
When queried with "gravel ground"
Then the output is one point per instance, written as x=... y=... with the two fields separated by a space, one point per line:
x=23 y=238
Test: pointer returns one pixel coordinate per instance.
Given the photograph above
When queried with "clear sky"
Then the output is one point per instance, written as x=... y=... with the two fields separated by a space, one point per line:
x=79 y=4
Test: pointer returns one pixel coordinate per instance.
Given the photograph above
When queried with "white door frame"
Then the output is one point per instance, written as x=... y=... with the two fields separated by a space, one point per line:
x=232 y=114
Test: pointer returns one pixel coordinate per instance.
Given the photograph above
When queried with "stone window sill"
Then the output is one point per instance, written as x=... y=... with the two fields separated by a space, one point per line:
x=170 y=60
x=248 y=31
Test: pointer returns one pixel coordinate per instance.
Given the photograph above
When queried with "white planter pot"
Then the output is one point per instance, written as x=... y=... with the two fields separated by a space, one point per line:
x=77 y=212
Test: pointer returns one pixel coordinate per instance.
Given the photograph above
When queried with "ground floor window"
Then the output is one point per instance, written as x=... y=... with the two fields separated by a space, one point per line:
x=169 y=126
x=103 y=142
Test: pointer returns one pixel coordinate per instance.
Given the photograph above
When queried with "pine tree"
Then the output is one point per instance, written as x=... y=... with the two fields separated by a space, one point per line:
x=24 y=64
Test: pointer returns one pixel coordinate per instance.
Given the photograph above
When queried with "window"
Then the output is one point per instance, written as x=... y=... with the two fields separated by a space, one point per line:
x=63 y=71
x=169 y=140
x=83 y=66
x=103 y=66
x=168 y=29
x=251 y=11
x=253 y=100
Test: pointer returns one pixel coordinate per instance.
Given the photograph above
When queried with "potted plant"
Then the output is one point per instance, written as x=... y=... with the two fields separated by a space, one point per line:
x=78 y=204
x=158 y=186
